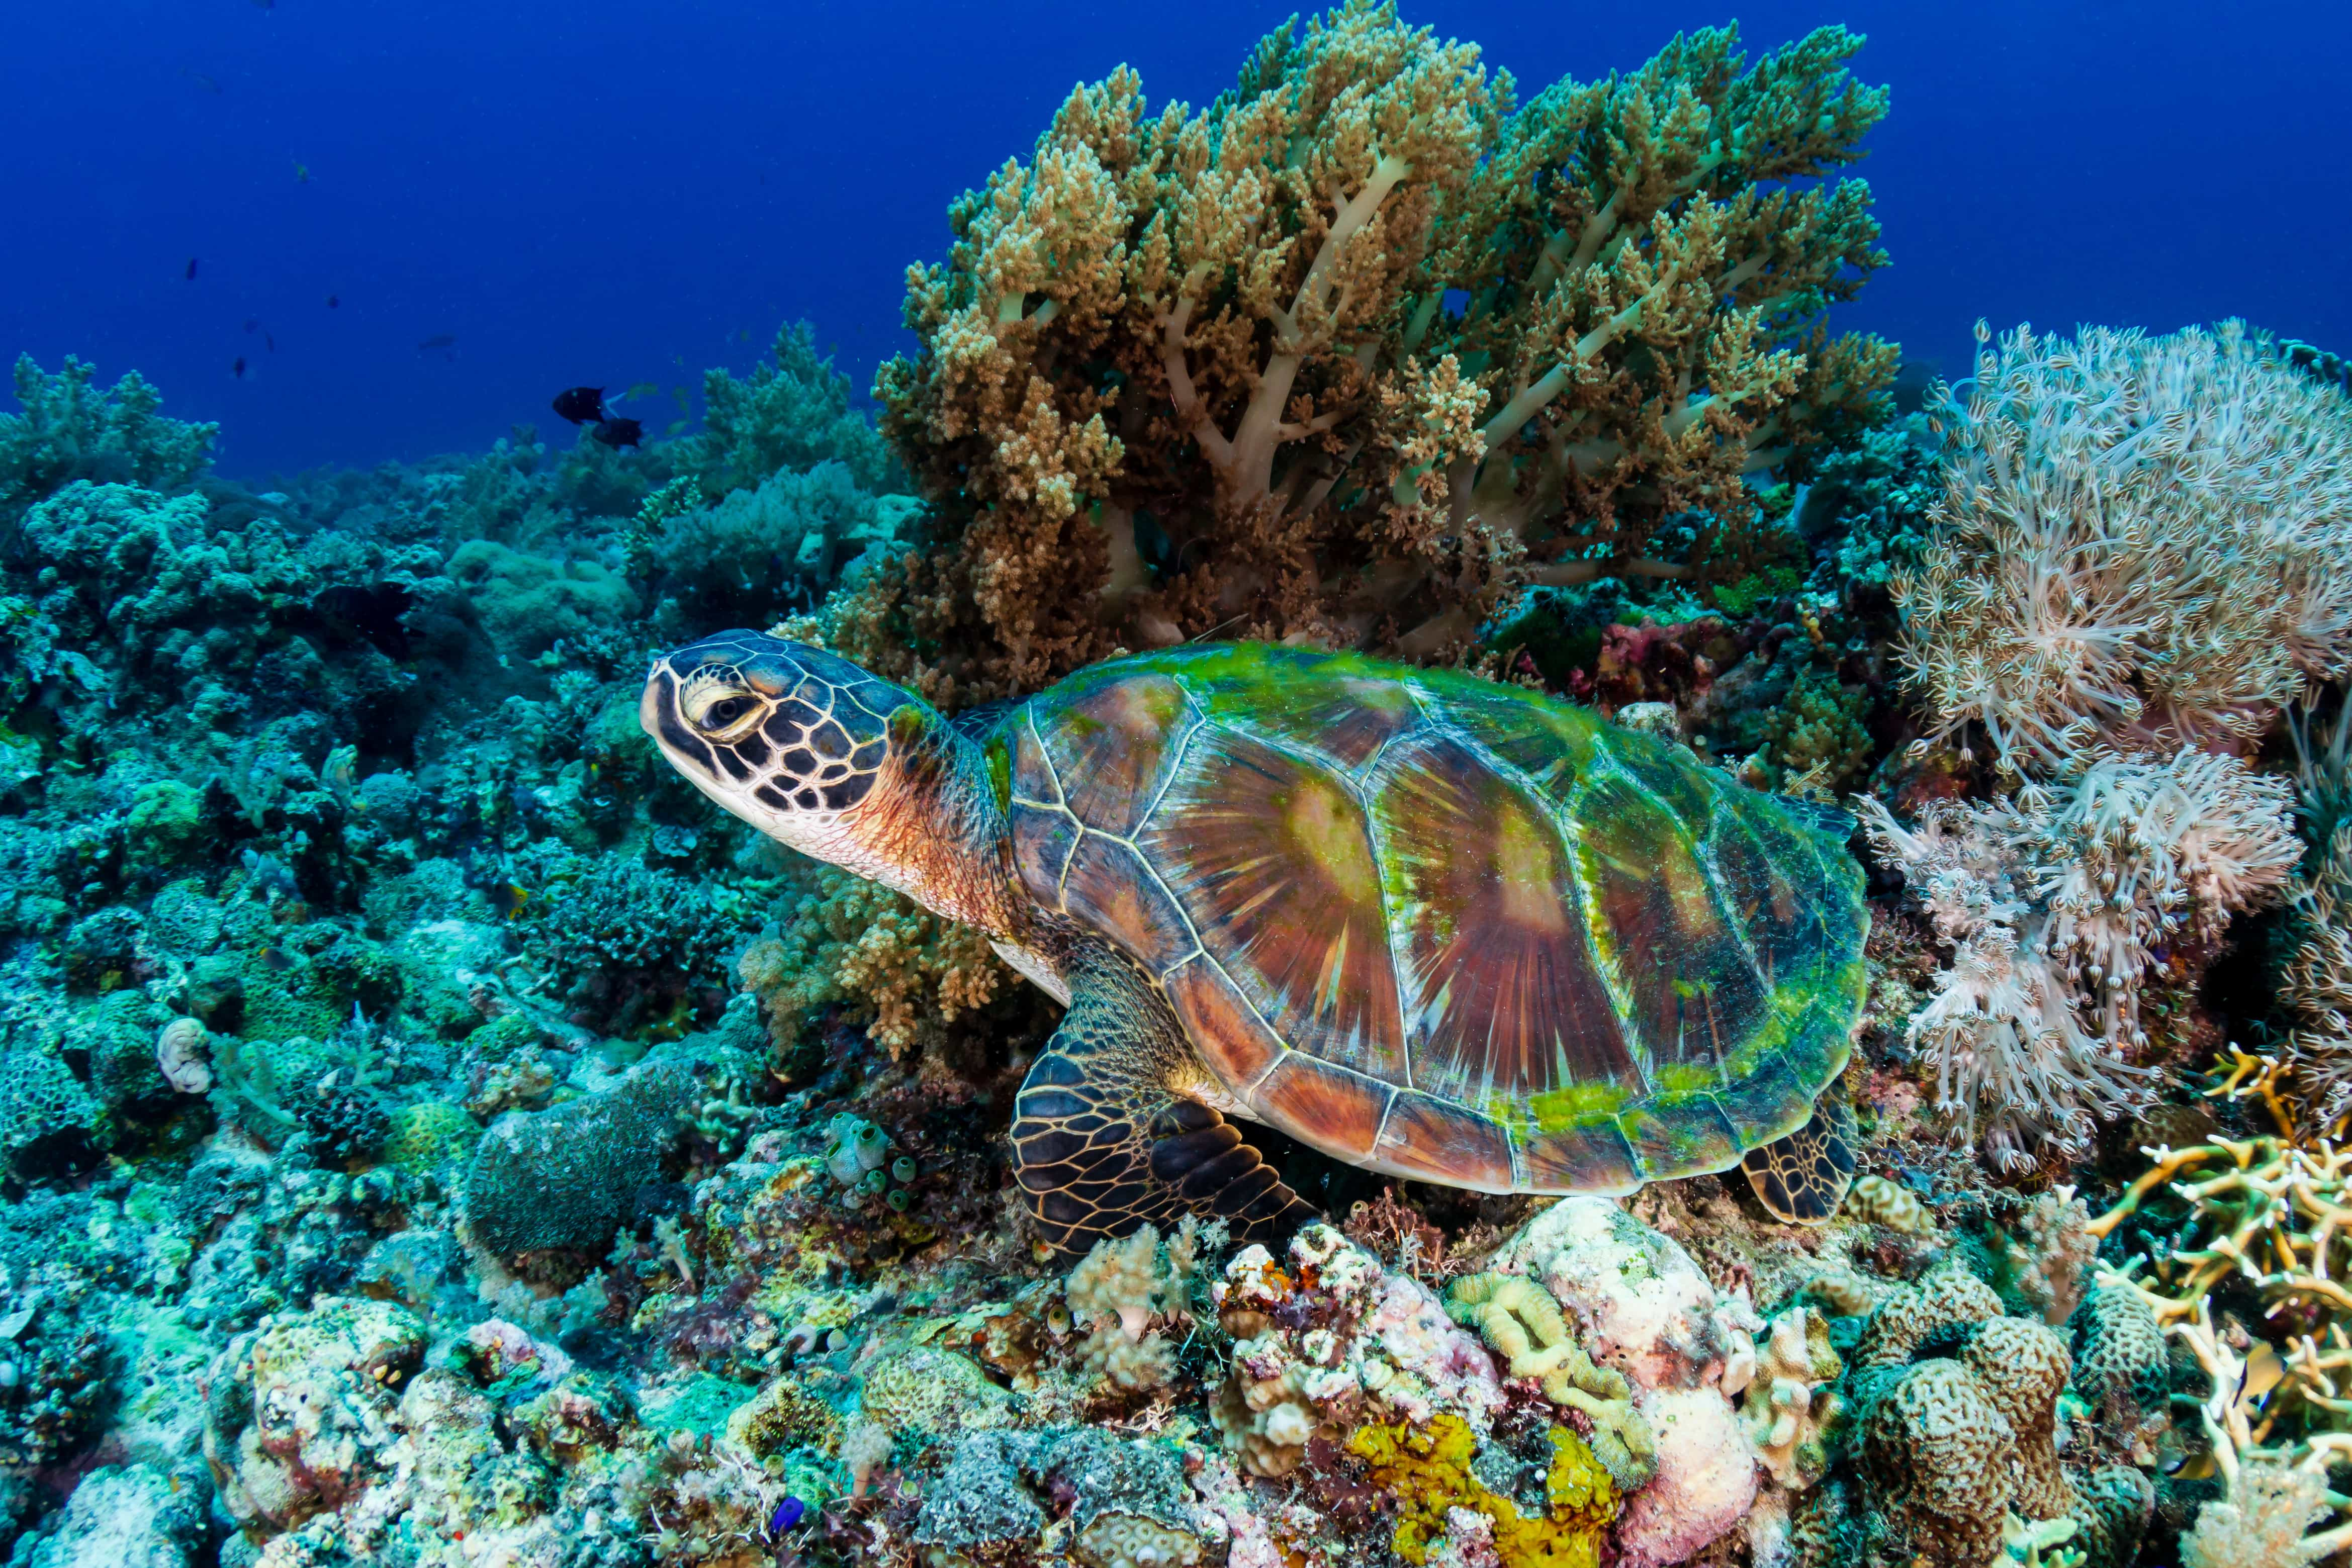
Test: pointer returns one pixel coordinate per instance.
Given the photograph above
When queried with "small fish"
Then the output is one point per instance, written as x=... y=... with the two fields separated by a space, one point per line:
x=334 y=300
x=619 y=433
x=202 y=80
x=253 y=323
x=301 y=173
x=267 y=342
x=438 y=341
x=581 y=405
x=237 y=369
x=190 y=275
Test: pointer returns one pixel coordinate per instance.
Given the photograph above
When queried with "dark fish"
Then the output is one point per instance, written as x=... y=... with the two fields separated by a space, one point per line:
x=201 y=79
x=269 y=342
x=438 y=341
x=191 y=274
x=619 y=433
x=333 y=300
x=253 y=323
x=581 y=405
x=237 y=369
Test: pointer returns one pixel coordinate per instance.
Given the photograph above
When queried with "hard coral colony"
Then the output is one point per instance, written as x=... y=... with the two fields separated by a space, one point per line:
x=1240 y=1063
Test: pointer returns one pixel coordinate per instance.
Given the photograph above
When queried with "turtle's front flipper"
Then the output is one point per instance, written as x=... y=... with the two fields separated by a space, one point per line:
x=1803 y=1177
x=1106 y=1138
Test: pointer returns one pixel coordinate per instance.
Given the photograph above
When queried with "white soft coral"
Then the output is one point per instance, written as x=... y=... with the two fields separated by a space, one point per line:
x=2139 y=544
x=2056 y=904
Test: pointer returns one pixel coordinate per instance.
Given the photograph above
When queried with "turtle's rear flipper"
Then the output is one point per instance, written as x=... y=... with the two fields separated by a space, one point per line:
x=1105 y=1140
x=1803 y=1177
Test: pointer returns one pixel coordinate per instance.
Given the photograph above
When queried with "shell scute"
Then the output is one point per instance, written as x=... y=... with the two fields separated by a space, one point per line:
x=1110 y=746
x=1486 y=912
x=1429 y=1139
x=1324 y=1105
x=1237 y=1046
x=1271 y=855
x=1109 y=885
x=1686 y=984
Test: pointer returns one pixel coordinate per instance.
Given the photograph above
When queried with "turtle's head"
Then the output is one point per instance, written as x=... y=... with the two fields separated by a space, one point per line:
x=818 y=753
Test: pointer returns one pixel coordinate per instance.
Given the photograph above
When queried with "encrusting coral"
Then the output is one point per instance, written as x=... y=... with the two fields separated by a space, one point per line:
x=1193 y=371
x=2137 y=547
x=1430 y=1471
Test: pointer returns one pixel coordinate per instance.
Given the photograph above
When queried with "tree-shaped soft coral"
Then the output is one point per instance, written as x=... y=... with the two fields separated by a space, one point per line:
x=1358 y=353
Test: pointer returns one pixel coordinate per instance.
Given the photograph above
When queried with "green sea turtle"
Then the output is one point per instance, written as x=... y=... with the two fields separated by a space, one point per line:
x=1429 y=924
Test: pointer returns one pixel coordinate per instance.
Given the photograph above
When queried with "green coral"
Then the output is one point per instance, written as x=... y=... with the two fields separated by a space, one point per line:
x=45 y=1111
x=790 y=414
x=166 y=823
x=1427 y=1470
x=69 y=430
x=1816 y=738
x=429 y=1136
x=563 y=1179
x=760 y=552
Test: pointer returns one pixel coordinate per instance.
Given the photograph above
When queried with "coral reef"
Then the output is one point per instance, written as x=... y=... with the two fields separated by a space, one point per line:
x=432 y=1137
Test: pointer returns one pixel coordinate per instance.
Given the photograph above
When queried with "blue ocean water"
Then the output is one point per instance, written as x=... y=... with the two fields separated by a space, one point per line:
x=615 y=194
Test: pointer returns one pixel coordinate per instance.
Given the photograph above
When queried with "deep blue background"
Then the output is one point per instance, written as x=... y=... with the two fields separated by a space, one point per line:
x=587 y=192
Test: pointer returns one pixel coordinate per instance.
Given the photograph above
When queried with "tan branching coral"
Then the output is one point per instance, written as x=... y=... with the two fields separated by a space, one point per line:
x=2270 y=1496
x=1122 y=1288
x=2139 y=545
x=1362 y=349
x=856 y=941
x=2055 y=901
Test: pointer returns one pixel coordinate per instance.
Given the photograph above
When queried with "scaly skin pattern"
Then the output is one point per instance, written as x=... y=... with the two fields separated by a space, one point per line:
x=1437 y=926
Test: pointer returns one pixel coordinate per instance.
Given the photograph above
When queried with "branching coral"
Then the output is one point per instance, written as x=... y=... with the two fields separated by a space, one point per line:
x=2139 y=544
x=2270 y=1496
x=69 y=431
x=1121 y=1286
x=856 y=941
x=1361 y=349
x=2055 y=904
x=789 y=414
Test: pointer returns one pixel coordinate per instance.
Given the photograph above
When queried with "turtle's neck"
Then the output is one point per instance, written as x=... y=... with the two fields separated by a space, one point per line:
x=934 y=830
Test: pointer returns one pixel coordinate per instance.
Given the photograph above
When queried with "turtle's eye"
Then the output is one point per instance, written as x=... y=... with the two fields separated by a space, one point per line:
x=718 y=707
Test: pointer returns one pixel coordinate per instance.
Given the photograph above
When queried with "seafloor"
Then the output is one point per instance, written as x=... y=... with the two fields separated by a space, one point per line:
x=434 y=1135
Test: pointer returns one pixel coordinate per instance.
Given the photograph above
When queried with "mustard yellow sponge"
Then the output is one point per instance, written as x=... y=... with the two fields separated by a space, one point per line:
x=1427 y=1470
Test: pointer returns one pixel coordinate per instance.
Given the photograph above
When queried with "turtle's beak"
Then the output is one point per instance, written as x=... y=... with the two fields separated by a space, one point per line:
x=648 y=709
x=657 y=715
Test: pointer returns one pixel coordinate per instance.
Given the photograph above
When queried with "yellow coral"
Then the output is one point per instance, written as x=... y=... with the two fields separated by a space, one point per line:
x=1882 y=1202
x=1427 y=1471
x=1520 y=1321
